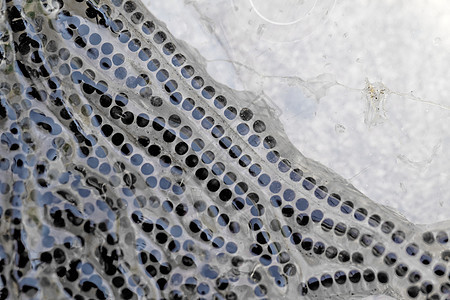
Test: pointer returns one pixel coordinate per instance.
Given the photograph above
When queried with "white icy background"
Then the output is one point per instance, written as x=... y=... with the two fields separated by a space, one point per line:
x=320 y=78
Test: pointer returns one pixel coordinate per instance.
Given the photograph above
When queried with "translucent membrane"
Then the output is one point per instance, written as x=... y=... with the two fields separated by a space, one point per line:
x=127 y=172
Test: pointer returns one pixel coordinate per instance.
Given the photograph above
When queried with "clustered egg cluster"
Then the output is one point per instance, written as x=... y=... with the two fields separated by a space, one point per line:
x=126 y=172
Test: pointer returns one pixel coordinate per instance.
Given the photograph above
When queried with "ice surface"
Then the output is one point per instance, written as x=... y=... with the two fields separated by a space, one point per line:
x=318 y=76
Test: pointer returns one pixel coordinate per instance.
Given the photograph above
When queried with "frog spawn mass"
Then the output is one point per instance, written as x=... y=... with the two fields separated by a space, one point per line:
x=126 y=172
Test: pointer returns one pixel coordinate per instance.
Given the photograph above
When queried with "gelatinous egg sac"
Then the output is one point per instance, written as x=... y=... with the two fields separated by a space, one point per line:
x=126 y=172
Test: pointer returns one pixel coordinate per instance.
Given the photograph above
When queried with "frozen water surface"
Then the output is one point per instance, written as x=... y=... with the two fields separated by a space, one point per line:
x=322 y=71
